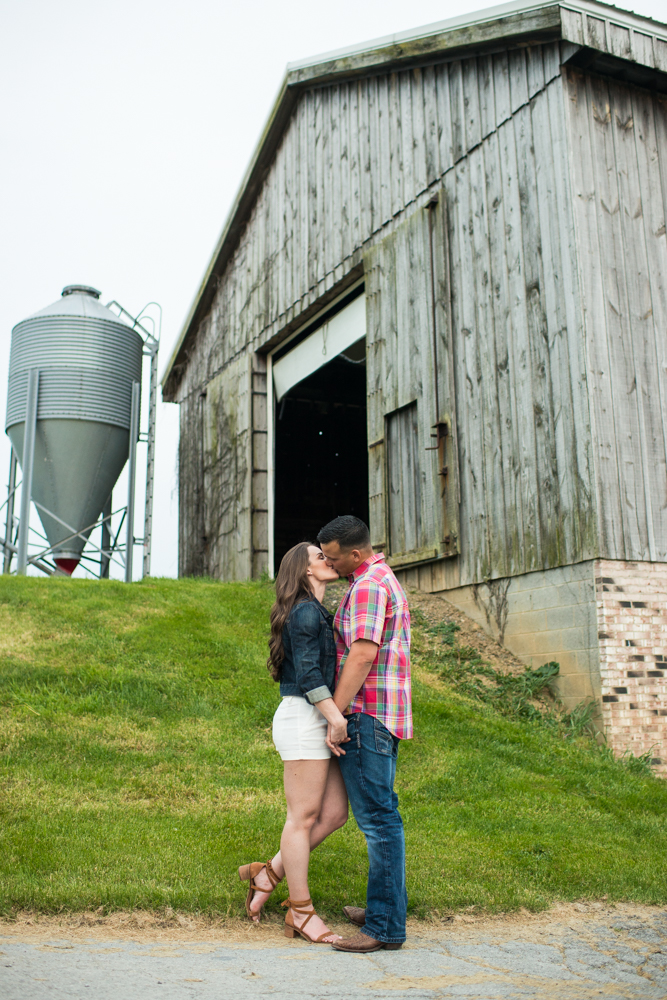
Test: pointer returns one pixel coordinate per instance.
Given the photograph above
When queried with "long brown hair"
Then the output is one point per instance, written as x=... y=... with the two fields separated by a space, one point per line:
x=291 y=586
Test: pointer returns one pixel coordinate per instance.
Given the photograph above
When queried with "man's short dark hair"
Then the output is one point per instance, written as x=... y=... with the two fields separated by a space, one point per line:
x=349 y=531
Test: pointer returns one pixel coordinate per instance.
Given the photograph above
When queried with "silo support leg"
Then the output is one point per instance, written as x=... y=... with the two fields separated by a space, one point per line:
x=105 y=553
x=132 y=470
x=150 y=463
x=30 y=429
x=9 y=526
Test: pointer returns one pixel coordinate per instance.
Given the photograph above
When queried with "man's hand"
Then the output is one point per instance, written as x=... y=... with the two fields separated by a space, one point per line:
x=355 y=670
x=337 y=728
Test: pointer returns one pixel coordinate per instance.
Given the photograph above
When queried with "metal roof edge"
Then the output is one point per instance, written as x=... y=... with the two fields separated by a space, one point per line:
x=466 y=20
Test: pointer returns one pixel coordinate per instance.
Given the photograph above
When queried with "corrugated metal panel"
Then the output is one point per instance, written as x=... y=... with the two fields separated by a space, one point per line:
x=87 y=366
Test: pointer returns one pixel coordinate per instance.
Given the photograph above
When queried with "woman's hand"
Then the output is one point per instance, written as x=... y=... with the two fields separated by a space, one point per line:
x=337 y=728
x=337 y=734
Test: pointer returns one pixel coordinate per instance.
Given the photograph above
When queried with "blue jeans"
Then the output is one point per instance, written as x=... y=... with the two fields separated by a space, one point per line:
x=369 y=769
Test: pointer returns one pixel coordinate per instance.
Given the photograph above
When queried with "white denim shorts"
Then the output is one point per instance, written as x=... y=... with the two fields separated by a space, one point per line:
x=299 y=730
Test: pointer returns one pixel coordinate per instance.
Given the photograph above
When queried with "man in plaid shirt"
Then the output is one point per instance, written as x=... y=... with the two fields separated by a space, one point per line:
x=373 y=691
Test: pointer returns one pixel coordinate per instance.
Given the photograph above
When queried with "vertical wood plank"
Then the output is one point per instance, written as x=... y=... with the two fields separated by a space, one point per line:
x=443 y=97
x=534 y=69
x=332 y=166
x=306 y=177
x=417 y=336
x=501 y=83
x=457 y=110
x=398 y=167
x=366 y=105
x=344 y=218
x=471 y=103
x=431 y=137
x=446 y=471
x=610 y=514
x=551 y=60
x=546 y=482
x=227 y=465
x=509 y=445
x=404 y=481
x=565 y=539
x=487 y=106
x=281 y=235
x=385 y=134
x=520 y=348
x=317 y=218
x=470 y=414
x=623 y=403
x=355 y=141
x=405 y=124
x=191 y=534
x=584 y=509
x=418 y=136
x=483 y=330
x=518 y=78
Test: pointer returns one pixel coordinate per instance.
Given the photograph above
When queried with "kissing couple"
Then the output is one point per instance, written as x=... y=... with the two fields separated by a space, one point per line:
x=346 y=705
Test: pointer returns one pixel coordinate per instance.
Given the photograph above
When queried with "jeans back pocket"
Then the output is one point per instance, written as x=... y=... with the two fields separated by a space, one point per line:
x=384 y=741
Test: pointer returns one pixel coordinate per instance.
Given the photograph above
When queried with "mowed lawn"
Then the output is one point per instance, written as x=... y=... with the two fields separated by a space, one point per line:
x=137 y=770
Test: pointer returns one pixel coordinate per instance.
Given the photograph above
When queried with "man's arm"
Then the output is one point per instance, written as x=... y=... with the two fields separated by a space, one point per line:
x=355 y=671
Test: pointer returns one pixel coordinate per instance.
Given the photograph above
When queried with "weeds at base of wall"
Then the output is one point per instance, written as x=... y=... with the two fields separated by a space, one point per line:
x=528 y=695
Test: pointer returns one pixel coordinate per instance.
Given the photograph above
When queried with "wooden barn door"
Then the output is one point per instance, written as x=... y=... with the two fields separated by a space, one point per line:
x=413 y=465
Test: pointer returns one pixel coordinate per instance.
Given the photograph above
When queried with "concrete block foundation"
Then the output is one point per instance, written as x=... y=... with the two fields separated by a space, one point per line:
x=605 y=623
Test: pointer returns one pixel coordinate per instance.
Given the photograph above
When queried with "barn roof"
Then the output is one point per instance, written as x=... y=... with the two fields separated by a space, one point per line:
x=596 y=26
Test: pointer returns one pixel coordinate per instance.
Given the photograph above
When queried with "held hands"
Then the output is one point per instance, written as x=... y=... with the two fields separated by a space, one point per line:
x=337 y=734
x=337 y=728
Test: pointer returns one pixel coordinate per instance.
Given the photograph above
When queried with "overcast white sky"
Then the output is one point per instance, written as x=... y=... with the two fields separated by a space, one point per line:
x=127 y=127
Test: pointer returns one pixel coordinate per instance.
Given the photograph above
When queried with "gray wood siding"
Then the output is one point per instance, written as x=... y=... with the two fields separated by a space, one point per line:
x=523 y=421
x=354 y=157
x=191 y=536
x=356 y=161
x=404 y=486
x=228 y=472
x=409 y=371
x=618 y=137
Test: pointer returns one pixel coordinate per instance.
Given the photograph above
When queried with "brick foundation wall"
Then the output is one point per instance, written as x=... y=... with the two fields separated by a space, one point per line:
x=631 y=603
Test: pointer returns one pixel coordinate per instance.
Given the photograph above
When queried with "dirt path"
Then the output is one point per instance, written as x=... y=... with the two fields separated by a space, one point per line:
x=574 y=952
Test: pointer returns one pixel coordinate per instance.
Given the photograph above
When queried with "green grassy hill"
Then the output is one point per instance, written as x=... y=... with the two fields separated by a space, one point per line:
x=137 y=770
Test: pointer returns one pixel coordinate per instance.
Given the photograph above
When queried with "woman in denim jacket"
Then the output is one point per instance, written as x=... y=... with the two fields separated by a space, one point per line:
x=303 y=658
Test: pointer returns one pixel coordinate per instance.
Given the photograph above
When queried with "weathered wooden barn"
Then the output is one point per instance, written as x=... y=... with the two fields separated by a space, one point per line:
x=440 y=302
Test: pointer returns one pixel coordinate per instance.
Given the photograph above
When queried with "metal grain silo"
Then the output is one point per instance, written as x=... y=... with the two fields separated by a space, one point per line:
x=79 y=361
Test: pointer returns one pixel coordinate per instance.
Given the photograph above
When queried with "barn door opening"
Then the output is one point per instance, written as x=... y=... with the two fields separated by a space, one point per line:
x=321 y=459
x=320 y=456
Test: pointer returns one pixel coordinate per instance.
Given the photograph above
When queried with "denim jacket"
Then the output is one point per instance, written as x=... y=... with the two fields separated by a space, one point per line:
x=309 y=667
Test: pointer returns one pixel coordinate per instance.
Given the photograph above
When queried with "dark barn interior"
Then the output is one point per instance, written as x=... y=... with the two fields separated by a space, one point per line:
x=321 y=457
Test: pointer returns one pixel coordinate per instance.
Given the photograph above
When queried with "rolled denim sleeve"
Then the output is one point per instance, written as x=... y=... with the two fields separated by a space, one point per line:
x=305 y=640
x=318 y=694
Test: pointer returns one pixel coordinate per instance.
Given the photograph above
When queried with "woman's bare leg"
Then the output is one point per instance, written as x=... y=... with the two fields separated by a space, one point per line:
x=305 y=785
x=332 y=815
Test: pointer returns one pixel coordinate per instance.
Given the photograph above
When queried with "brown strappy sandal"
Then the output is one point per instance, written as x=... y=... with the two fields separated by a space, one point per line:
x=290 y=927
x=248 y=873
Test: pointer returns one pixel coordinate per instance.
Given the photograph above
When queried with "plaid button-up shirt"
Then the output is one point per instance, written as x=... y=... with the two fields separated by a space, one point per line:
x=376 y=608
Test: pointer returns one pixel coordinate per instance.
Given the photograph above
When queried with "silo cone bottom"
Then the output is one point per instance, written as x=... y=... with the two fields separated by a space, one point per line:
x=67 y=565
x=77 y=463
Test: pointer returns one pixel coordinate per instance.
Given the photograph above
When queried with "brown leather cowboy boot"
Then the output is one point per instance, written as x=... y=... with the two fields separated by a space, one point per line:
x=355 y=914
x=361 y=944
